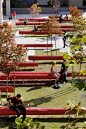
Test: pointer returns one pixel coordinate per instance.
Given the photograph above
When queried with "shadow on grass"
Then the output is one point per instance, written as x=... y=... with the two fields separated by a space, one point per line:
x=48 y=98
x=4 y=124
x=34 y=88
x=66 y=119
x=8 y=125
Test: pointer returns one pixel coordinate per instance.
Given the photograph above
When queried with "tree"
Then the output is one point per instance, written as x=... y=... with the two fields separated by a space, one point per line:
x=56 y=5
x=34 y=9
x=9 y=52
x=77 y=46
x=51 y=26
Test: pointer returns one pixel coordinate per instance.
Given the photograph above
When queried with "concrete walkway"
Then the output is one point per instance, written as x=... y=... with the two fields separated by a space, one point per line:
x=28 y=40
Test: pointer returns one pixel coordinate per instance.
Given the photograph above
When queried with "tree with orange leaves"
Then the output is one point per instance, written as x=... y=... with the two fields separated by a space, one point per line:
x=34 y=10
x=9 y=52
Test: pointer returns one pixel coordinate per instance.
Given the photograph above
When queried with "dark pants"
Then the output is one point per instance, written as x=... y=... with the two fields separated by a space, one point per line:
x=64 y=44
x=63 y=78
x=18 y=108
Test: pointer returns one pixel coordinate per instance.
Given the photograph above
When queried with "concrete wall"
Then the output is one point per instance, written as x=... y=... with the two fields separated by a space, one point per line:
x=42 y=2
x=45 y=10
x=78 y=3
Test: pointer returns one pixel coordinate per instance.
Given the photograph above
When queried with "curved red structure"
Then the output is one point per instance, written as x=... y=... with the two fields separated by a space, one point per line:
x=35 y=111
x=9 y=88
x=35 y=45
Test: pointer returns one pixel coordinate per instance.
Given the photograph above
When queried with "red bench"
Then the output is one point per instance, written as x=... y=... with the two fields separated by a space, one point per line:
x=4 y=89
x=54 y=16
x=25 y=64
x=48 y=57
x=35 y=111
x=63 y=26
x=35 y=75
x=32 y=23
x=30 y=19
x=35 y=19
x=36 y=33
x=35 y=45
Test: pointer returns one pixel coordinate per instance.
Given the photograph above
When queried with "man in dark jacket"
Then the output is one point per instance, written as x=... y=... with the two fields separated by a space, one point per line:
x=63 y=72
x=17 y=104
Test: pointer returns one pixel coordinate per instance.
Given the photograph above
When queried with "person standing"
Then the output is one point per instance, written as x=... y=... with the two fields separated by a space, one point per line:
x=10 y=16
x=14 y=15
x=17 y=104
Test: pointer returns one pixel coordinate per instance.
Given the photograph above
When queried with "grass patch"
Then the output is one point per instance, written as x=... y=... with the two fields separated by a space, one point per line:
x=47 y=97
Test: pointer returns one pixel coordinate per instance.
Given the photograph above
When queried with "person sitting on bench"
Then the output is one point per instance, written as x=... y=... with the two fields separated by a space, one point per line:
x=63 y=72
x=60 y=19
x=55 y=73
x=17 y=104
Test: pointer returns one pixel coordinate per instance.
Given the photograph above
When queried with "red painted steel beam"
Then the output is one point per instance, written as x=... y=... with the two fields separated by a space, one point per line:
x=35 y=111
x=35 y=45
x=5 y=89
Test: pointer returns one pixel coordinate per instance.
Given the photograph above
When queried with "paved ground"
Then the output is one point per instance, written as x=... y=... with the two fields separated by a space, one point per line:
x=21 y=39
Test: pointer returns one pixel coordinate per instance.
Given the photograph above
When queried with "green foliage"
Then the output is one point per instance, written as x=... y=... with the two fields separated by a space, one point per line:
x=80 y=84
x=35 y=1
x=27 y=122
x=49 y=3
x=66 y=56
x=74 y=73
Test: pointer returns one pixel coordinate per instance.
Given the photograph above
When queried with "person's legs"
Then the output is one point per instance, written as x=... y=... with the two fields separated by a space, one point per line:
x=57 y=77
x=17 y=110
x=65 y=76
x=24 y=111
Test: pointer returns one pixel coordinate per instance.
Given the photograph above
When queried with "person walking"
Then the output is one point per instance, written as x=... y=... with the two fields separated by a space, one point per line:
x=64 y=39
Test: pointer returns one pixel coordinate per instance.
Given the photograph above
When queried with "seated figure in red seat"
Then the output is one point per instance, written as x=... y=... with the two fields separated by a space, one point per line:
x=66 y=17
x=55 y=73
x=17 y=104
